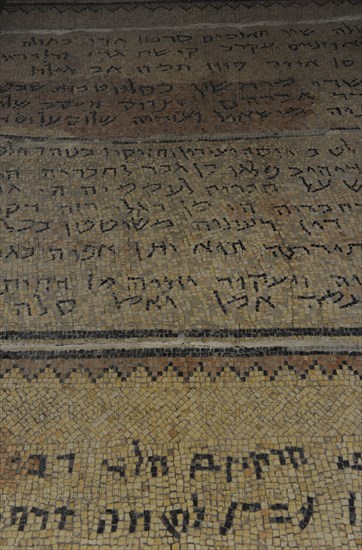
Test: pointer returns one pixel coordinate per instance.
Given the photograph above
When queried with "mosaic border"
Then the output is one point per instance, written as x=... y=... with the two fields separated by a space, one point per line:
x=183 y=366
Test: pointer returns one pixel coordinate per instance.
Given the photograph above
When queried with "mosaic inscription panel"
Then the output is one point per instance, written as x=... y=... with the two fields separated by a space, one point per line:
x=160 y=452
x=195 y=181
x=180 y=81
x=234 y=233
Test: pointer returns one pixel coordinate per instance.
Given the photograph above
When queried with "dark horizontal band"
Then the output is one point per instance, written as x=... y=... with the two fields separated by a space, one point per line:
x=168 y=352
x=168 y=333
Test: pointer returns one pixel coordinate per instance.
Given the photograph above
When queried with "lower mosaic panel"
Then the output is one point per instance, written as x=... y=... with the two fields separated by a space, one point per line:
x=181 y=452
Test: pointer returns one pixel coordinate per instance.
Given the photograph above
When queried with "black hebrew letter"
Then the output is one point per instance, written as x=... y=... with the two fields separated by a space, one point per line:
x=44 y=514
x=70 y=457
x=229 y=518
x=171 y=527
x=342 y=463
x=40 y=461
x=114 y=522
x=139 y=455
x=64 y=513
x=154 y=459
x=14 y=511
x=300 y=451
x=280 y=519
x=121 y=470
x=257 y=457
x=307 y=512
x=196 y=464
x=352 y=508
x=200 y=510
x=229 y=462
x=134 y=516
x=251 y=506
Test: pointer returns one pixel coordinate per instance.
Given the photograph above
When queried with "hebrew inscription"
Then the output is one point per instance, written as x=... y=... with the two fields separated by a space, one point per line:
x=189 y=513
x=177 y=82
x=233 y=233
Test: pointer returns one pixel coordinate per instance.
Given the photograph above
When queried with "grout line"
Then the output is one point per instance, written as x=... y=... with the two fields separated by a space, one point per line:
x=192 y=26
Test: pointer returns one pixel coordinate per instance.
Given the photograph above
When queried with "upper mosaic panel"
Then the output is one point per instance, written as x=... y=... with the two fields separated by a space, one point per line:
x=183 y=81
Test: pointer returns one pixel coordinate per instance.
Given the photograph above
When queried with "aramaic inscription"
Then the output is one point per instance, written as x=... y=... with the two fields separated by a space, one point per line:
x=233 y=233
x=177 y=82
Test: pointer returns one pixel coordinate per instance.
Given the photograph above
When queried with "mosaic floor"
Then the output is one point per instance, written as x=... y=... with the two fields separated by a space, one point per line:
x=180 y=281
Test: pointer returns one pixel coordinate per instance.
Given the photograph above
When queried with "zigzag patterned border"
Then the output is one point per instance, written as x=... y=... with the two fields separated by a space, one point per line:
x=186 y=369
